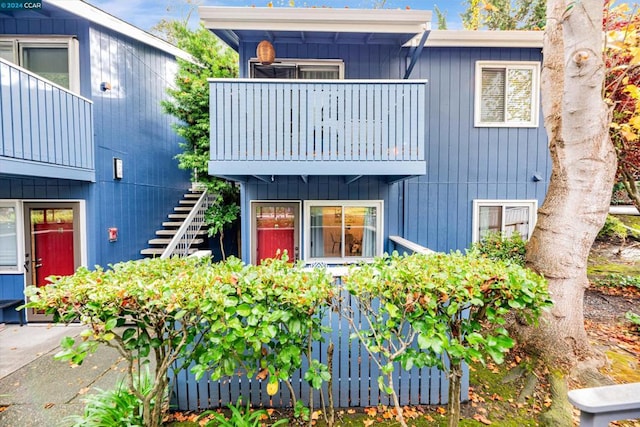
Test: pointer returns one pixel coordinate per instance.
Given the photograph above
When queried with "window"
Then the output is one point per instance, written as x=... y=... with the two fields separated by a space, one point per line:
x=343 y=230
x=507 y=94
x=329 y=69
x=54 y=58
x=9 y=244
x=503 y=216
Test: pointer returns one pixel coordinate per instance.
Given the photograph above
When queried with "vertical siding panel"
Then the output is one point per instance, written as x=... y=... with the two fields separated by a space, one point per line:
x=287 y=121
x=271 y=120
x=387 y=146
x=294 y=94
x=226 y=138
x=234 y=120
x=7 y=112
x=243 y=99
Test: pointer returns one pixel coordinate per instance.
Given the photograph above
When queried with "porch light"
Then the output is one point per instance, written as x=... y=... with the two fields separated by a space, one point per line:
x=266 y=53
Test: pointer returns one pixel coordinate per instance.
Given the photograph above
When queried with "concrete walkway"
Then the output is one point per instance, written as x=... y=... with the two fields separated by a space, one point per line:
x=40 y=391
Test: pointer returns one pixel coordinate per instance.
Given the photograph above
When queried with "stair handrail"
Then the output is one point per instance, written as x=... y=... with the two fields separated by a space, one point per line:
x=188 y=231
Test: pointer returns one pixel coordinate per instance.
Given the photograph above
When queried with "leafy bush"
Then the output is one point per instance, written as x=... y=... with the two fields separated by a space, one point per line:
x=239 y=417
x=117 y=407
x=420 y=308
x=145 y=309
x=228 y=317
x=497 y=247
x=634 y=319
x=271 y=316
x=613 y=228
x=615 y=280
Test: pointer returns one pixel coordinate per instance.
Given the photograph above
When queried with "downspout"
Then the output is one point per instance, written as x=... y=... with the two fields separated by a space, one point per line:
x=415 y=52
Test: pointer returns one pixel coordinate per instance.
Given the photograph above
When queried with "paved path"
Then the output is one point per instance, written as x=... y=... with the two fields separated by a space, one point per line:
x=40 y=391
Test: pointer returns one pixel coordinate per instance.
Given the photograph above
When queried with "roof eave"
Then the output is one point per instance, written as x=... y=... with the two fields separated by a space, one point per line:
x=466 y=38
x=315 y=19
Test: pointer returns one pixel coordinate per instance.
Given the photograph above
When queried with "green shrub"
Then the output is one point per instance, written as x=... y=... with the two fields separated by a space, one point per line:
x=615 y=280
x=634 y=319
x=228 y=318
x=613 y=228
x=117 y=407
x=497 y=247
x=239 y=417
x=421 y=310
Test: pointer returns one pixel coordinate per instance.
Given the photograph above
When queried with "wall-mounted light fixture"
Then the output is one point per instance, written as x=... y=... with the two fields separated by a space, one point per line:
x=117 y=168
x=537 y=177
x=105 y=86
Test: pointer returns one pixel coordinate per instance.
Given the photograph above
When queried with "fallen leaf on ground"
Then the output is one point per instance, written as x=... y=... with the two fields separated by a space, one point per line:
x=481 y=418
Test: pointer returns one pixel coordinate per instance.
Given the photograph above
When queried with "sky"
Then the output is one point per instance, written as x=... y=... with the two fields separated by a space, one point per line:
x=146 y=13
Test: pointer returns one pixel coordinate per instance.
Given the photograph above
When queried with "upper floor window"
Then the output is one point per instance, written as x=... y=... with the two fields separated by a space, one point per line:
x=503 y=216
x=53 y=58
x=342 y=231
x=320 y=69
x=507 y=94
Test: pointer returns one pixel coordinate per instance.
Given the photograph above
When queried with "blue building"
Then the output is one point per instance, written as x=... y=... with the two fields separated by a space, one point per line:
x=87 y=169
x=368 y=131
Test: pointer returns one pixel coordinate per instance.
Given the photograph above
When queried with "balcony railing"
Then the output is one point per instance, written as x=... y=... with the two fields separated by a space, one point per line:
x=47 y=131
x=305 y=127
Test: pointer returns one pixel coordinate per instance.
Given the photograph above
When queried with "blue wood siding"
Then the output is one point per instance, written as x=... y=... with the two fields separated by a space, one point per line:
x=129 y=124
x=318 y=128
x=46 y=130
x=463 y=162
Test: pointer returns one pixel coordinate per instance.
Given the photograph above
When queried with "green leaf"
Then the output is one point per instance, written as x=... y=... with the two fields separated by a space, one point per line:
x=110 y=324
x=244 y=310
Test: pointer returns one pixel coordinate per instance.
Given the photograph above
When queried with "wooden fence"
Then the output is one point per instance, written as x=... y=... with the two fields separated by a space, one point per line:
x=355 y=378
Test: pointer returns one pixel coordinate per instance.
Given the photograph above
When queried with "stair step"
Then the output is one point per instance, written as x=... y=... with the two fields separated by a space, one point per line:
x=173 y=232
x=166 y=241
x=172 y=223
x=182 y=208
x=178 y=216
x=159 y=251
x=188 y=201
x=192 y=195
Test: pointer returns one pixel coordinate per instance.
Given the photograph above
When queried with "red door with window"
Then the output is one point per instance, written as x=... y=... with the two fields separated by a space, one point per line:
x=276 y=230
x=51 y=246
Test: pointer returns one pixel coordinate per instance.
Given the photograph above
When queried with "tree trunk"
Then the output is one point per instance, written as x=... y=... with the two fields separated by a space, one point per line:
x=583 y=169
x=455 y=385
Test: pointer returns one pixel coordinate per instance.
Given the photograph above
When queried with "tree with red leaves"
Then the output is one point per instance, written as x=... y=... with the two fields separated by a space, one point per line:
x=622 y=91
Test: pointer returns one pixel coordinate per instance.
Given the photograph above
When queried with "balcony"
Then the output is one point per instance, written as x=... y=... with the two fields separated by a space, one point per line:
x=46 y=130
x=305 y=127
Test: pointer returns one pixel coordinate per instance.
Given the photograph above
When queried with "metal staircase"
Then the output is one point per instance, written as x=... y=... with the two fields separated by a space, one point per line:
x=183 y=231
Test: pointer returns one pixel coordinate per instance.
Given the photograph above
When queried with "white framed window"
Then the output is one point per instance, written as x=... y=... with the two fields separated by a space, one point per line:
x=55 y=58
x=317 y=69
x=503 y=216
x=339 y=231
x=507 y=94
x=10 y=237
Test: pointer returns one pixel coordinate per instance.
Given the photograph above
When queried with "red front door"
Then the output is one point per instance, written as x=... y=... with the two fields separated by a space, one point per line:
x=51 y=245
x=275 y=228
